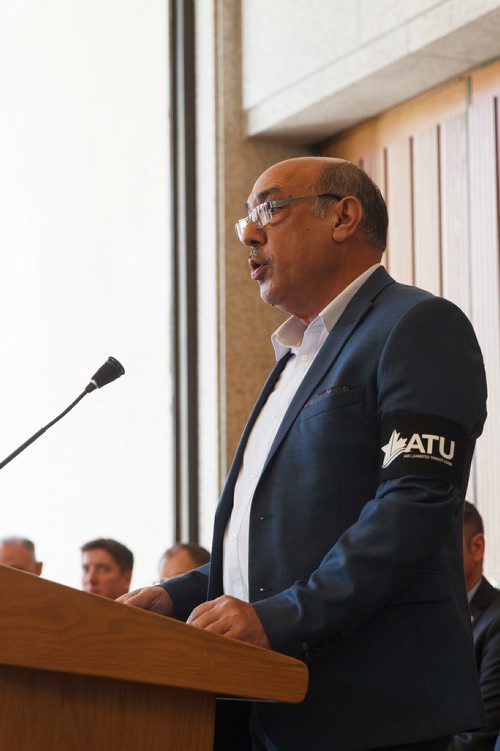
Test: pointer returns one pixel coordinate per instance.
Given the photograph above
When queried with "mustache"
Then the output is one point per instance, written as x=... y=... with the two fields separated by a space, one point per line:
x=262 y=259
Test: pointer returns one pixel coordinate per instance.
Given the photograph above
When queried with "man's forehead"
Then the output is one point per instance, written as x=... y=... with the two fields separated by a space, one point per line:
x=14 y=546
x=282 y=181
x=97 y=554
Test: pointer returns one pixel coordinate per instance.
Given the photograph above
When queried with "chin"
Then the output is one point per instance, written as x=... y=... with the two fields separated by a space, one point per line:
x=268 y=295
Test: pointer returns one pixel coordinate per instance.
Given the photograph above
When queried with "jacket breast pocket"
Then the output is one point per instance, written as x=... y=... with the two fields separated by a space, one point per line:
x=334 y=397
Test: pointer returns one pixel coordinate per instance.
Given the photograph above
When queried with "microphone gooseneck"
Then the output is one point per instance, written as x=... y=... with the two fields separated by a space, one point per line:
x=110 y=371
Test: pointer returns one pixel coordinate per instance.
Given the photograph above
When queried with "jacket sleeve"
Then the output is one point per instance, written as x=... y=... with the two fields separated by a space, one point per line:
x=188 y=591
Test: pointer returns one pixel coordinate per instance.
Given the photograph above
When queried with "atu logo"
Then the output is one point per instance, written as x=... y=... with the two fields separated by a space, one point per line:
x=419 y=446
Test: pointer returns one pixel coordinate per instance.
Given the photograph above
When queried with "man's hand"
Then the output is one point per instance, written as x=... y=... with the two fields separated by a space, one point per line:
x=230 y=617
x=155 y=599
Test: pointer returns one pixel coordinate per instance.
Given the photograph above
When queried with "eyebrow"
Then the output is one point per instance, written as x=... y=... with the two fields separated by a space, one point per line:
x=261 y=197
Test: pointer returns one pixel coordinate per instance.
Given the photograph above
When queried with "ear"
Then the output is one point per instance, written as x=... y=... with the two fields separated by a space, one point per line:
x=346 y=218
x=38 y=568
x=477 y=546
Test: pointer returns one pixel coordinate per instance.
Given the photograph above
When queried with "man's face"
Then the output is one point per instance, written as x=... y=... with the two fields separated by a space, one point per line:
x=176 y=564
x=17 y=555
x=293 y=257
x=101 y=575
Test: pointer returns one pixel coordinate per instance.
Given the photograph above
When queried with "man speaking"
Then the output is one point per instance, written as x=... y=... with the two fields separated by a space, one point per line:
x=338 y=535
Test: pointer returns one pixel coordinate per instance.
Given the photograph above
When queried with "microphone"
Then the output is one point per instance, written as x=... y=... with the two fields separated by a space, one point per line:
x=110 y=371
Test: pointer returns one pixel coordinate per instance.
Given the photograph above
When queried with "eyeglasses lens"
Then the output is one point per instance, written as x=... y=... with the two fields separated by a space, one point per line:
x=260 y=216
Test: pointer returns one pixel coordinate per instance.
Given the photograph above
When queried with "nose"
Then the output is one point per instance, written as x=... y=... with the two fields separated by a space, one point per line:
x=90 y=577
x=253 y=236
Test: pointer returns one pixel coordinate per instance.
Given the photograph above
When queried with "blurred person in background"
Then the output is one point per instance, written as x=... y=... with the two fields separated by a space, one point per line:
x=106 y=567
x=19 y=552
x=180 y=558
x=484 y=602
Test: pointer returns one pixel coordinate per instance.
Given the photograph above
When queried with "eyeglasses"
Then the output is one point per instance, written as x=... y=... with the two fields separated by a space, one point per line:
x=262 y=214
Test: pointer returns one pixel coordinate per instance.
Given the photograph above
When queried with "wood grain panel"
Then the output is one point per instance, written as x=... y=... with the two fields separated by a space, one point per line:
x=454 y=212
x=455 y=226
x=485 y=81
x=374 y=164
x=49 y=626
x=399 y=204
x=57 y=712
x=399 y=122
x=426 y=210
x=485 y=304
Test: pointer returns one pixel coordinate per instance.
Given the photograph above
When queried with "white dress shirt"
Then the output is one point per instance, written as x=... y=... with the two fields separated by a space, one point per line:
x=304 y=342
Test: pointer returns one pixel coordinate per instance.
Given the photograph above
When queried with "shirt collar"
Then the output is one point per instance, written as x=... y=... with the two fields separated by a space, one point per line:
x=472 y=592
x=288 y=337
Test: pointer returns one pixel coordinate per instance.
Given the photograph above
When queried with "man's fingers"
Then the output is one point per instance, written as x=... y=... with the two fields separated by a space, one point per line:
x=125 y=598
x=155 y=599
x=200 y=610
x=214 y=615
x=230 y=617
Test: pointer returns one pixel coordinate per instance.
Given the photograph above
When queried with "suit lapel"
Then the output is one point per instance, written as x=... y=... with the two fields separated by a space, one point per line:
x=353 y=314
x=226 y=503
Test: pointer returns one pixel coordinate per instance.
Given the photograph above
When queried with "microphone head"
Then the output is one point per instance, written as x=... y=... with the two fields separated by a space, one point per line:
x=110 y=371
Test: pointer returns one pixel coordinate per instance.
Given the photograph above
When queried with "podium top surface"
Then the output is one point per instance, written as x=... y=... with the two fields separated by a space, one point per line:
x=53 y=627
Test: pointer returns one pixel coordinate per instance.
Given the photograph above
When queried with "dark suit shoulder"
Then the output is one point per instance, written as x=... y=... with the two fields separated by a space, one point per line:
x=393 y=303
x=485 y=605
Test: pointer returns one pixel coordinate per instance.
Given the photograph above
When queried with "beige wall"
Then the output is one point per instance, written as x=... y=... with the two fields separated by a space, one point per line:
x=314 y=67
x=235 y=353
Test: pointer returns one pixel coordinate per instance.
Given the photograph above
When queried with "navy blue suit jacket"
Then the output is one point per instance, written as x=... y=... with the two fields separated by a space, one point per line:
x=359 y=574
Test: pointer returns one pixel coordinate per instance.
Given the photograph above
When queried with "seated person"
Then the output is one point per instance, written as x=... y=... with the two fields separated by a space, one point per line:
x=484 y=603
x=106 y=567
x=181 y=557
x=19 y=552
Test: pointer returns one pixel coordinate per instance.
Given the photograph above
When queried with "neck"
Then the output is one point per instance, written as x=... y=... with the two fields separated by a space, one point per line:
x=321 y=299
x=473 y=580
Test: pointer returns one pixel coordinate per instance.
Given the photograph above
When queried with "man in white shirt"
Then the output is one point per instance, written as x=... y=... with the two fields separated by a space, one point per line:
x=337 y=538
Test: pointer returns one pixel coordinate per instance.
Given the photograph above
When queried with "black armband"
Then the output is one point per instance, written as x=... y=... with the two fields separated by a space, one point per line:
x=422 y=444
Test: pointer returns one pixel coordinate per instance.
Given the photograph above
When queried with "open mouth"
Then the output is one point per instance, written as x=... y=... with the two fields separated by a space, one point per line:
x=257 y=267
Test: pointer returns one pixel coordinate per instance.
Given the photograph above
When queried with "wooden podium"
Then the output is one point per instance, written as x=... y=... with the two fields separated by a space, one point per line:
x=79 y=672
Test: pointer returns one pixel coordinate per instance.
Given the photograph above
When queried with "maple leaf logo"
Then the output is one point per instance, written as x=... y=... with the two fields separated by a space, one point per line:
x=393 y=448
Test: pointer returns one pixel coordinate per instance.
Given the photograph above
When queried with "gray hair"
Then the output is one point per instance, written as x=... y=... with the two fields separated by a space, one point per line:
x=199 y=555
x=346 y=179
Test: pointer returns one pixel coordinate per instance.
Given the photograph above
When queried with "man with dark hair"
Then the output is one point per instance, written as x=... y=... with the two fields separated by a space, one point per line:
x=19 y=552
x=484 y=603
x=180 y=558
x=338 y=535
x=106 y=567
